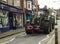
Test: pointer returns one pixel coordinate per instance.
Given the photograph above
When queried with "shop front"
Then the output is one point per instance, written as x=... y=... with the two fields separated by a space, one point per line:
x=15 y=20
x=10 y=17
x=4 y=21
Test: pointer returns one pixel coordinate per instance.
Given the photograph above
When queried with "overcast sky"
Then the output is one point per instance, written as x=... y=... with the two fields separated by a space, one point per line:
x=50 y=3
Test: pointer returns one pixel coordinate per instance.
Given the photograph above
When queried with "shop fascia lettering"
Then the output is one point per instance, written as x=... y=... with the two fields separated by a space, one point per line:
x=9 y=8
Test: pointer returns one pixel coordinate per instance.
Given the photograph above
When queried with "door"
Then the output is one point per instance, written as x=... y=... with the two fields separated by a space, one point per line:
x=12 y=20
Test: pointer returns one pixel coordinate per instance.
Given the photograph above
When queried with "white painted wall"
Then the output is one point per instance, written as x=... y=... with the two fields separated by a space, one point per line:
x=29 y=2
x=24 y=3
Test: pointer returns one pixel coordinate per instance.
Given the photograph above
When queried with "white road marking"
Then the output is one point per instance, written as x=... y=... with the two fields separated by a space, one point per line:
x=47 y=36
x=12 y=39
x=7 y=41
x=40 y=42
x=57 y=26
x=51 y=39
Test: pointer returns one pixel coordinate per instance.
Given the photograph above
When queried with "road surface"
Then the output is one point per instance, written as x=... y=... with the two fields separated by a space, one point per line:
x=23 y=38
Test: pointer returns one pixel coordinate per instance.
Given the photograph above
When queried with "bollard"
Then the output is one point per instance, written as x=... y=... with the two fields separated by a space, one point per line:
x=56 y=36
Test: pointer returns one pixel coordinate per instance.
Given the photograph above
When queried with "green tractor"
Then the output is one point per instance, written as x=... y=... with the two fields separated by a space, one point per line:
x=43 y=22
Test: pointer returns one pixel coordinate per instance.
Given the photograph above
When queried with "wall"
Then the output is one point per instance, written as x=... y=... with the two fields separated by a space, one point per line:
x=29 y=5
x=10 y=2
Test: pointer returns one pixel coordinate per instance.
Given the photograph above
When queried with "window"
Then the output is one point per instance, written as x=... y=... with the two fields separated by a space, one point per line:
x=28 y=17
x=3 y=19
x=29 y=3
x=19 y=20
x=17 y=3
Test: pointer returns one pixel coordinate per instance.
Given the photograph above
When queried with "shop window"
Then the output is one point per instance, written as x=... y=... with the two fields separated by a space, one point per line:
x=3 y=19
x=28 y=17
x=19 y=19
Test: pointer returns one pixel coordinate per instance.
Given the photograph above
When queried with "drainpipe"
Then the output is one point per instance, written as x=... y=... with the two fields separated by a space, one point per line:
x=24 y=16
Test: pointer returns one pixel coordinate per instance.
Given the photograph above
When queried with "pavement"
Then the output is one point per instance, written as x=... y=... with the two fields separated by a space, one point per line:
x=58 y=32
x=53 y=40
x=11 y=32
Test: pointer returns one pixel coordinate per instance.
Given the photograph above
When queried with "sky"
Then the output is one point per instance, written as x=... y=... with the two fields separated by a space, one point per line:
x=50 y=3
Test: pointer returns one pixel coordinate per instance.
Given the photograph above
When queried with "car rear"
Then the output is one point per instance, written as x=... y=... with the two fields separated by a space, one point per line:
x=36 y=28
x=29 y=29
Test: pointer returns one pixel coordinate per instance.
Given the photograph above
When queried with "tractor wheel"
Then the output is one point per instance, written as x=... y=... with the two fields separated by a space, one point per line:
x=47 y=31
x=52 y=26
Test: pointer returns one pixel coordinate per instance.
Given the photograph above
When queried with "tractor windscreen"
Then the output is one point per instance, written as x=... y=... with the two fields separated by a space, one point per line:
x=43 y=12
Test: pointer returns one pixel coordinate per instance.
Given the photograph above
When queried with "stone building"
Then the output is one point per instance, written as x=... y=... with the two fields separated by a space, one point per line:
x=11 y=14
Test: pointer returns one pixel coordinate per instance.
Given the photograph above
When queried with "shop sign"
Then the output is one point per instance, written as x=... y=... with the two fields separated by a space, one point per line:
x=12 y=9
x=4 y=7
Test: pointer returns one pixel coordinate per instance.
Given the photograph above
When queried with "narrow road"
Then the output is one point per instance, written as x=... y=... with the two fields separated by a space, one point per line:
x=23 y=38
x=29 y=39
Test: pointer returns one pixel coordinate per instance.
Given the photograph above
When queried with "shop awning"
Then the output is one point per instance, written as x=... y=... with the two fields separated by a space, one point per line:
x=11 y=8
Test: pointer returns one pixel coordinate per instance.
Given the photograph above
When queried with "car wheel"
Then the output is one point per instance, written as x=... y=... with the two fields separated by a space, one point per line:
x=52 y=26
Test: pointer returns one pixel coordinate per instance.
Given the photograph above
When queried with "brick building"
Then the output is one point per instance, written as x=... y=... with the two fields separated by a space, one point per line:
x=31 y=9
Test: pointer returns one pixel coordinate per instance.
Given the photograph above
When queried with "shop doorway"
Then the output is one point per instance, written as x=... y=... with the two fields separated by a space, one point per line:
x=12 y=20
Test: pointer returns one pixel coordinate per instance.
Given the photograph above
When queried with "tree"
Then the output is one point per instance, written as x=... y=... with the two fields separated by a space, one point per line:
x=45 y=7
x=50 y=11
